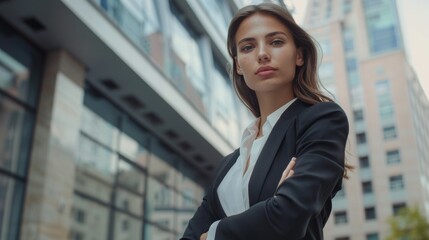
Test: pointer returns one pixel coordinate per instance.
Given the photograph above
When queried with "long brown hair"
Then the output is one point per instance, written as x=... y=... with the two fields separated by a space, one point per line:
x=306 y=84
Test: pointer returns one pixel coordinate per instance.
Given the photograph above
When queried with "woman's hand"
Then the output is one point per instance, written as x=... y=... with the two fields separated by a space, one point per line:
x=203 y=236
x=288 y=172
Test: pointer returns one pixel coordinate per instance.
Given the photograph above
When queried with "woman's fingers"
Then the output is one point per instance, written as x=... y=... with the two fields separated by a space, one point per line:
x=288 y=172
x=203 y=236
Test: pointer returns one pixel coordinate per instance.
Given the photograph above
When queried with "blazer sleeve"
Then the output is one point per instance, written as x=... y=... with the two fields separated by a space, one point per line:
x=200 y=222
x=206 y=213
x=321 y=136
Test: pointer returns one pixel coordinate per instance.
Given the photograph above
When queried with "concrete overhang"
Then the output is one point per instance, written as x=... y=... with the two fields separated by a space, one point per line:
x=83 y=30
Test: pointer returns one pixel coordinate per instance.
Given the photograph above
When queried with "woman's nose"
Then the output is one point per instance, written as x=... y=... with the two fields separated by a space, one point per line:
x=263 y=56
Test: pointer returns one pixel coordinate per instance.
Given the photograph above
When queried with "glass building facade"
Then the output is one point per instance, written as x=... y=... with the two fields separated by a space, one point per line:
x=113 y=115
x=364 y=62
x=20 y=76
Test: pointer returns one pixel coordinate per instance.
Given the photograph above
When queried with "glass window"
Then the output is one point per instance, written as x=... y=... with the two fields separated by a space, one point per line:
x=358 y=115
x=95 y=170
x=161 y=204
x=347 y=6
x=364 y=162
x=370 y=213
x=224 y=109
x=13 y=76
x=16 y=126
x=351 y=64
x=386 y=112
x=11 y=193
x=372 y=236
x=127 y=227
x=78 y=215
x=367 y=187
x=187 y=183
x=129 y=201
x=393 y=157
x=187 y=71
x=382 y=87
x=349 y=44
x=20 y=73
x=361 y=138
x=382 y=25
x=99 y=129
x=133 y=142
x=328 y=9
x=21 y=66
x=396 y=183
x=397 y=207
x=163 y=163
x=340 y=217
x=130 y=188
x=348 y=35
x=140 y=22
x=389 y=132
x=357 y=95
x=130 y=177
x=219 y=12
x=89 y=219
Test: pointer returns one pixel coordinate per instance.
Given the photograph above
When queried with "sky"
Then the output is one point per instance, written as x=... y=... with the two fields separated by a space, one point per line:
x=414 y=20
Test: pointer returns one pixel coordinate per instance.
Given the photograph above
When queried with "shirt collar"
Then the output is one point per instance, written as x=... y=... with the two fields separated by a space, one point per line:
x=252 y=128
x=274 y=116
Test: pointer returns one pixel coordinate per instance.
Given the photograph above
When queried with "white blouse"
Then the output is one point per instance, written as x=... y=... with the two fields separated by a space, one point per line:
x=233 y=191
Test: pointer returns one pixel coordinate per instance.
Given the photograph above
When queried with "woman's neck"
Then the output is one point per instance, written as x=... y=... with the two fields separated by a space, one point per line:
x=270 y=104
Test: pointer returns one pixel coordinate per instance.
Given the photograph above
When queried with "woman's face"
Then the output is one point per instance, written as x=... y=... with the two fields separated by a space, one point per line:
x=266 y=55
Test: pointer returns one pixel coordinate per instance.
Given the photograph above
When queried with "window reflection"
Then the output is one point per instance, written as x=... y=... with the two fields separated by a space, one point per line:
x=139 y=21
x=14 y=76
x=99 y=129
x=89 y=219
x=11 y=193
x=15 y=137
x=382 y=25
x=187 y=70
x=187 y=184
x=133 y=143
x=162 y=164
x=224 y=116
x=220 y=13
x=95 y=170
x=127 y=227
x=130 y=188
x=115 y=177
x=161 y=204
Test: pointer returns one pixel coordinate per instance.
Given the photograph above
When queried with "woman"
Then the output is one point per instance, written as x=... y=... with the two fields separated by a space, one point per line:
x=254 y=196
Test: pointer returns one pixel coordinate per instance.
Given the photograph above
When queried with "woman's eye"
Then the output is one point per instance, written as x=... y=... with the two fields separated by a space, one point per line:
x=277 y=42
x=246 y=48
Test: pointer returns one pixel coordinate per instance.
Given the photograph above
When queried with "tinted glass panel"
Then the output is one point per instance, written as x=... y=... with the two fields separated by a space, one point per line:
x=15 y=138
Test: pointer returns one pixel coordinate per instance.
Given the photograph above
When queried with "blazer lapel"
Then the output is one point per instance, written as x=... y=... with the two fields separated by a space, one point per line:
x=268 y=152
x=229 y=161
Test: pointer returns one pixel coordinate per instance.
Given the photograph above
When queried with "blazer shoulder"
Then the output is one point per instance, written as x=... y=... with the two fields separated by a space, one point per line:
x=323 y=112
x=323 y=108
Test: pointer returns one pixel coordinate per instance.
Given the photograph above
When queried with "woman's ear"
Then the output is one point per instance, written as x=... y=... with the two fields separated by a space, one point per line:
x=299 y=57
x=238 y=68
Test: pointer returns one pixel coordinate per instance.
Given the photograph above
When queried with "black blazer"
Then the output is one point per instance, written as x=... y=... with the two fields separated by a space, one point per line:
x=299 y=208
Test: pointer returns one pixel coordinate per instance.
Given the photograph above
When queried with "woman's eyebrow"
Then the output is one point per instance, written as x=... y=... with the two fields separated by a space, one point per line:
x=271 y=34
x=248 y=39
